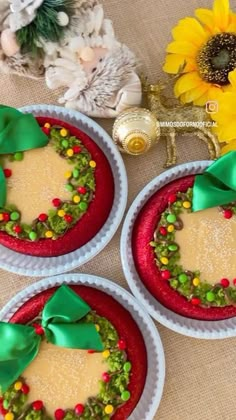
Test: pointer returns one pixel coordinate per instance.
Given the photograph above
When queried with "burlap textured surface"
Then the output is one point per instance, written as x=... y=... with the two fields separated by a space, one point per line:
x=200 y=379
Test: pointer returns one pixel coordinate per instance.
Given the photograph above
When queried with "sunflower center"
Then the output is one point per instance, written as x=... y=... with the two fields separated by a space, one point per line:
x=217 y=58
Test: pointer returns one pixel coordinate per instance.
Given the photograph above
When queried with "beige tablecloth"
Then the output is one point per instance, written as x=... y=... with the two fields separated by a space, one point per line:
x=200 y=375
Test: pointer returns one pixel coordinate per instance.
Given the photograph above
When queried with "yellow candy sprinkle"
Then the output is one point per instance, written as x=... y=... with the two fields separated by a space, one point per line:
x=9 y=416
x=164 y=260
x=106 y=354
x=76 y=199
x=170 y=228
x=47 y=125
x=97 y=327
x=49 y=234
x=18 y=386
x=109 y=409
x=1 y=217
x=68 y=174
x=92 y=164
x=61 y=213
x=196 y=281
x=69 y=152
x=63 y=132
x=186 y=204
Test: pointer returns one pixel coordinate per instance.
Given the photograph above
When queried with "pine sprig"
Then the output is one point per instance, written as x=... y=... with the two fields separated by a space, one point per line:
x=45 y=26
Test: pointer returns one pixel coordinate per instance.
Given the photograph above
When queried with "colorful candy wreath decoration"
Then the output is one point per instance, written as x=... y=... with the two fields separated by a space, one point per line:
x=67 y=321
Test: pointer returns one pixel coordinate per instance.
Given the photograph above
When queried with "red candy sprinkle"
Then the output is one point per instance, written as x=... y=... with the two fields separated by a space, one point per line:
x=38 y=329
x=25 y=389
x=82 y=190
x=76 y=149
x=106 y=377
x=43 y=217
x=56 y=202
x=7 y=173
x=225 y=282
x=37 y=405
x=6 y=217
x=46 y=130
x=79 y=409
x=234 y=282
x=59 y=414
x=165 y=274
x=68 y=218
x=163 y=231
x=3 y=411
x=172 y=198
x=91 y=351
x=121 y=344
x=195 y=301
x=17 y=229
x=227 y=214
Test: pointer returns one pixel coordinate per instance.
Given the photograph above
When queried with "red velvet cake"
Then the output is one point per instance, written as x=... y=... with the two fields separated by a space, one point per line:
x=186 y=259
x=58 y=196
x=115 y=377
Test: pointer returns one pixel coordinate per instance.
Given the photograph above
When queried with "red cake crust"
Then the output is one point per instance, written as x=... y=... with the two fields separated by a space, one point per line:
x=149 y=273
x=91 y=222
x=106 y=306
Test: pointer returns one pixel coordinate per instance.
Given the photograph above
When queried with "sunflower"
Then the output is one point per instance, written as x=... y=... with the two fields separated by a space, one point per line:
x=225 y=117
x=203 y=53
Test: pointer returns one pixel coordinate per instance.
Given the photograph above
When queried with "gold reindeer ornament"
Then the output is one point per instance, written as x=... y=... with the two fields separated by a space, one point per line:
x=136 y=130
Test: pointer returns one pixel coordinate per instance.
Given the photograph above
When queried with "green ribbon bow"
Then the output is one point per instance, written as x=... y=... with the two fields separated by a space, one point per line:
x=217 y=185
x=18 y=133
x=20 y=343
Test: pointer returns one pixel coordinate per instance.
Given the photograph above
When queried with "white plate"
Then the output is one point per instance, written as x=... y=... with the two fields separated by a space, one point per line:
x=47 y=266
x=152 y=393
x=178 y=323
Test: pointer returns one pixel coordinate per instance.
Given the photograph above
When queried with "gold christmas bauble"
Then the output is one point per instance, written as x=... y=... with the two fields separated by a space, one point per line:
x=135 y=131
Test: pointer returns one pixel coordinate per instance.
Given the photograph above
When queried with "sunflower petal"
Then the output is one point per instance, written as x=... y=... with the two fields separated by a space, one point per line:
x=232 y=78
x=174 y=62
x=229 y=147
x=202 y=100
x=206 y=17
x=228 y=133
x=187 y=82
x=182 y=47
x=191 y=30
x=196 y=93
x=221 y=13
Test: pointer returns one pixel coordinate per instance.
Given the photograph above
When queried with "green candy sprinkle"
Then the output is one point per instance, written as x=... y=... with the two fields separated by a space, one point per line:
x=5 y=404
x=69 y=187
x=127 y=367
x=83 y=206
x=174 y=283
x=183 y=278
x=33 y=236
x=173 y=247
x=19 y=156
x=125 y=396
x=210 y=296
x=65 y=144
x=171 y=218
x=75 y=173
x=15 y=216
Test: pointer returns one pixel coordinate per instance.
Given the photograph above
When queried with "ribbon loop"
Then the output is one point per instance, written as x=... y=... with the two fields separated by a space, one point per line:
x=18 y=132
x=20 y=343
x=217 y=185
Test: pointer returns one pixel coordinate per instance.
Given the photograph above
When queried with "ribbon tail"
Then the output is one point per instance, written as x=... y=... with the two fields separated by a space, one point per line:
x=10 y=370
x=3 y=188
x=75 y=336
x=19 y=346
